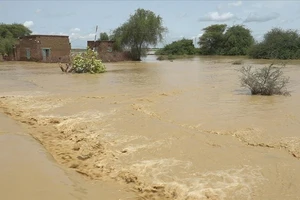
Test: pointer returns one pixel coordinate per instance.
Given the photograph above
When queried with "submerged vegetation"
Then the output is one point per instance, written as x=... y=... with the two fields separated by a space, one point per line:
x=268 y=80
x=86 y=62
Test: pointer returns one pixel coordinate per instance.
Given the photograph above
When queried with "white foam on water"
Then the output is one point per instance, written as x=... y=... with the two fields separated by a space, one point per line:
x=159 y=168
x=70 y=122
x=149 y=145
x=236 y=183
x=38 y=101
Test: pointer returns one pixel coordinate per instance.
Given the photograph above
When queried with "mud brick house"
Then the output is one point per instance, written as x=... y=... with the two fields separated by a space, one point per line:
x=106 y=53
x=43 y=48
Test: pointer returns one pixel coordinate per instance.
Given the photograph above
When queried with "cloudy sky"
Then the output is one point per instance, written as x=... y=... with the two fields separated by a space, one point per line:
x=78 y=19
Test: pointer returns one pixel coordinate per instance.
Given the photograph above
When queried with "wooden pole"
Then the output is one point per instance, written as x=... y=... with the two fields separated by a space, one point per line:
x=95 y=38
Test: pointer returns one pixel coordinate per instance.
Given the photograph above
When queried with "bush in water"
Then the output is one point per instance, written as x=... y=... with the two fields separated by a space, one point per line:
x=268 y=80
x=87 y=62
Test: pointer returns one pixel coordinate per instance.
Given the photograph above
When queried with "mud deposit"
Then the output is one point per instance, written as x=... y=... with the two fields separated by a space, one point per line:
x=167 y=130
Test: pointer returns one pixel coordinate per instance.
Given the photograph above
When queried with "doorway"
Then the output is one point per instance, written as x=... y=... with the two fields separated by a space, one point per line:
x=46 y=54
x=28 y=53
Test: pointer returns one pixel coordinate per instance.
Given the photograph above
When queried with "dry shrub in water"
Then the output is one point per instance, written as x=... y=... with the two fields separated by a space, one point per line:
x=268 y=80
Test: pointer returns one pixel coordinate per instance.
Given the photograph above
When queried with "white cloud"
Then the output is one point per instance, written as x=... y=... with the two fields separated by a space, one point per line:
x=236 y=4
x=28 y=24
x=217 y=17
x=77 y=36
x=255 y=17
x=38 y=11
x=75 y=30
x=61 y=33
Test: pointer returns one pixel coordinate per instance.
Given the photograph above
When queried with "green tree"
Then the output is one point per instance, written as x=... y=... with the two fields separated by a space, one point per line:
x=180 y=47
x=141 y=30
x=9 y=34
x=6 y=45
x=103 y=36
x=237 y=40
x=212 y=39
x=277 y=44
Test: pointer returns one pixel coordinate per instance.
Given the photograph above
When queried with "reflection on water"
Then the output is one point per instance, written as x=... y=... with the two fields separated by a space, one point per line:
x=182 y=129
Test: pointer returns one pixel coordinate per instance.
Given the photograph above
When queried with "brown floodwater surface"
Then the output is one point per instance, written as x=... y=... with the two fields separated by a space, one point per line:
x=167 y=130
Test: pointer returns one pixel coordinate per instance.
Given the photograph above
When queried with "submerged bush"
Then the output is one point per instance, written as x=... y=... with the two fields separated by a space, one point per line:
x=268 y=80
x=87 y=62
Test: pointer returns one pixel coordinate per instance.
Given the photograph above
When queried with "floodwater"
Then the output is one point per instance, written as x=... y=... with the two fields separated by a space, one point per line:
x=163 y=130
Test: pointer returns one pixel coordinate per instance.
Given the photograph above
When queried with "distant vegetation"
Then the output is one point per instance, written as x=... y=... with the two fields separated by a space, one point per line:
x=211 y=42
x=103 y=36
x=141 y=30
x=278 y=44
x=265 y=81
x=180 y=47
x=9 y=33
x=217 y=40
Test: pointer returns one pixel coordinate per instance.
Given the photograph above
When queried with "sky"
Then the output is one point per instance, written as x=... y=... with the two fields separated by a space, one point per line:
x=79 y=19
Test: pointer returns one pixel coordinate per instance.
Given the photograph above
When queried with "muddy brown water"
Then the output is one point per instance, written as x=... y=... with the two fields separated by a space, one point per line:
x=164 y=130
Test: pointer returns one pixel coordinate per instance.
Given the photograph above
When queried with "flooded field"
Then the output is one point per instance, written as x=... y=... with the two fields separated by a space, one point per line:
x=164 y=130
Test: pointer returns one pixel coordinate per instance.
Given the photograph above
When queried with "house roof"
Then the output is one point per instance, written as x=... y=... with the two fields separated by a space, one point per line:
x=33 y=36
x=99 y=41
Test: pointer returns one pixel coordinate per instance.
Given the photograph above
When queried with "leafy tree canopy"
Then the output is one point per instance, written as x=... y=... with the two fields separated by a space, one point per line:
x=220 y=40
x=212 y=39
x=141 y=30
x=103 y=36
x=278 y=44
x=237 y=40
x=180 y=47
x=8 y=35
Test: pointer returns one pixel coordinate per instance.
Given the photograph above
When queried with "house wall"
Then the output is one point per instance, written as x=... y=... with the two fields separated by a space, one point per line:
x=24 y=43
x=59 y=46
x=106 y=53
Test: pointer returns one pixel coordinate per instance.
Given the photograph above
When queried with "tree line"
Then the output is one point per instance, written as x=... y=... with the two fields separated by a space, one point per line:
x=218 y=39
x=144 y=28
